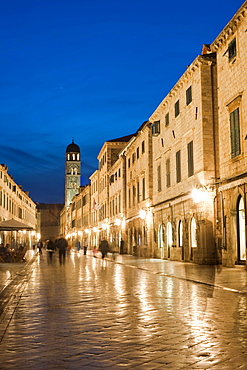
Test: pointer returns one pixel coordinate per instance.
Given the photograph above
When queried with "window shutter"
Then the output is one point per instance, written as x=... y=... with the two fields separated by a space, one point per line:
x=168 y=174
x=190 y=159
x=178 y=166
x=235 y=133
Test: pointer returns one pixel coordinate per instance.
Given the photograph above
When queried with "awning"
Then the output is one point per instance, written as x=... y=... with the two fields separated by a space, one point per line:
x=12 y=225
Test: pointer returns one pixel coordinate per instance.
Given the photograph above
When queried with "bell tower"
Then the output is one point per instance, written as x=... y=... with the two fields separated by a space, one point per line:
x=72 y=172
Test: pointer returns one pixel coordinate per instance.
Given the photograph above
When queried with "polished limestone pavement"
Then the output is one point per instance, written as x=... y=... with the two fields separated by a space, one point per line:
x=121 y=313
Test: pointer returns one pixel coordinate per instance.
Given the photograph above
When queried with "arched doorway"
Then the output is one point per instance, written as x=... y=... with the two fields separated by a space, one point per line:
x=169 y=238
x=241 y=230
x=193 y=240
x=180 y=238
x=161 y=241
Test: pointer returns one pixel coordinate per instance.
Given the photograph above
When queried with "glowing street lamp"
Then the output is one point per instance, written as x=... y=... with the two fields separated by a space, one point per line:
x=142 y=214
x=117 y=222
x=199 y=195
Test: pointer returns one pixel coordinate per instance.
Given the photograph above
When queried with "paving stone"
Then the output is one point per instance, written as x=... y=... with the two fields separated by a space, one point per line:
x=129 y=313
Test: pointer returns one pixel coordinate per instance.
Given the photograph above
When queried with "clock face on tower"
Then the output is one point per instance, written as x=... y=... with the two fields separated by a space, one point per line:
x=73 y=183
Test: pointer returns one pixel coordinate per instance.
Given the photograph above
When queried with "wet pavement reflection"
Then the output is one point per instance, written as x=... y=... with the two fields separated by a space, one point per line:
x=129 y=313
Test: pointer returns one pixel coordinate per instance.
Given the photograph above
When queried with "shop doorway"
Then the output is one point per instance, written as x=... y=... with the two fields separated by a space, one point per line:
x=241 y=231
x=161 y=241
x=169 y=238
x=193 y=238
x=180 y=238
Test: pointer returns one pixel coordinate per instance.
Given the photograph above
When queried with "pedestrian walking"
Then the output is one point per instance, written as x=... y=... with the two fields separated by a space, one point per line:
x=95 y=251
x=40 y=246
x=78 y=246
x=50 y=247
x=104 y=248
x=61 y=244
x=121 y=246
x=85 y=249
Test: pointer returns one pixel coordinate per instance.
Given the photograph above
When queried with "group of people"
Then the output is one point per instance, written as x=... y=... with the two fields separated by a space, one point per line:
x=62 y=245
x=14 y=253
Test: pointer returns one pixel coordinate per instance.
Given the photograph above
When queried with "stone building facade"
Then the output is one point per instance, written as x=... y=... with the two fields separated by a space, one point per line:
x=16 y=204
x=139 y=178
x=176 y=189
x=184 y=148
x=231 y=49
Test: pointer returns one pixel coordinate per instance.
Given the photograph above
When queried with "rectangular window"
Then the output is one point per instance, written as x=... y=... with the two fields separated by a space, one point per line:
x=235 y=133
x=176 y=108
x=129 y=162
x=159 y=178
x=168 y=173
x=129 y=198
x=178 y=166
x=133 y=158
x=143 y=147
x=137 y=153
x=189 y=95
x=232 y=50
x=143 y=189
x=138 y=192
x=119 y=204
x=167 y=119
x=156 y=128
x=190 y=159
x=134 y=194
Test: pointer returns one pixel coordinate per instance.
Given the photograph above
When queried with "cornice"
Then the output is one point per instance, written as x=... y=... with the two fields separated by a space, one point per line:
x=230 y=28
x=191 y=69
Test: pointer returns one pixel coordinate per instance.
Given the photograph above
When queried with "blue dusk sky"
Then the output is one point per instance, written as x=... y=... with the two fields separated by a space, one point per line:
x=92 y=70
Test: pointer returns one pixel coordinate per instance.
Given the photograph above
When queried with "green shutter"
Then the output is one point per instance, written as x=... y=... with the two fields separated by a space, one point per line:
x=235 y=133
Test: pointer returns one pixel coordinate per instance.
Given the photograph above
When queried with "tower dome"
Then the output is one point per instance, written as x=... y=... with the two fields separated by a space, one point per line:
x=72 y=148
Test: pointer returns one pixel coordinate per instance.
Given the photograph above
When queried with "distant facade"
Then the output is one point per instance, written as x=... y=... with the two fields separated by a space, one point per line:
x=49 y=220
x=176 y=189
